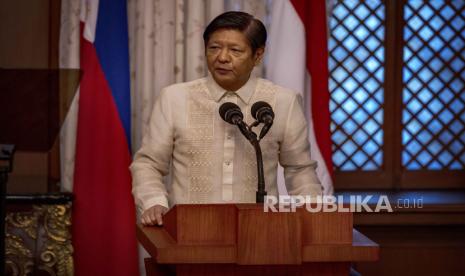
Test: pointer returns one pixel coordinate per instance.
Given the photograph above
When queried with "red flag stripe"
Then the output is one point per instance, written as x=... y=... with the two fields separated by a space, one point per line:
x=104 y=236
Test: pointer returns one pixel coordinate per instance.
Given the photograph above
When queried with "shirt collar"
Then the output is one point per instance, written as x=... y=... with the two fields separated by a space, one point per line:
x=244 y=93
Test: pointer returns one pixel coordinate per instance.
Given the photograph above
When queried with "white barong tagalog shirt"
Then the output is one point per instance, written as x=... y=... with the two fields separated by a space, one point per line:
x=210 y=160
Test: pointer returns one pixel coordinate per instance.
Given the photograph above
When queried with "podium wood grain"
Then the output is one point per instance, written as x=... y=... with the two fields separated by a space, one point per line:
x=268 y=238
x=242 y=239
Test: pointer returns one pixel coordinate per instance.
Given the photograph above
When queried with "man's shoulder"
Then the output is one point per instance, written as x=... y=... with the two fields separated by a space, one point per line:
x=280 y=91
x=183 y=87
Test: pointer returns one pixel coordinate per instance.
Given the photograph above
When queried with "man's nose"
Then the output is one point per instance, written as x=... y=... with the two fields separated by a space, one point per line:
x=224 y=56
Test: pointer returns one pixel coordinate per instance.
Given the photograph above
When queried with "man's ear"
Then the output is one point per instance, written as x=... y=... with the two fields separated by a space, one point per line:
x=259 y=55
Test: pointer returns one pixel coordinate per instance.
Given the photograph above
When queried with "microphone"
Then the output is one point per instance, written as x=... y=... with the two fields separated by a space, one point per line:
x=232 y=114
x=263 y=113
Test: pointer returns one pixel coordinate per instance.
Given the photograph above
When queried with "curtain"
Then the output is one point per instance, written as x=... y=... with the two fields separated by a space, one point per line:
x=166 y=47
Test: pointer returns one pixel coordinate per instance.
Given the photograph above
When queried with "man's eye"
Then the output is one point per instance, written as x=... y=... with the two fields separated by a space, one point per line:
x=236 y=50
x=213 y=47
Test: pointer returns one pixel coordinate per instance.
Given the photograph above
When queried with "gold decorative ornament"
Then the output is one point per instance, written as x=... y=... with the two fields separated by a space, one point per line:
x=40 y=240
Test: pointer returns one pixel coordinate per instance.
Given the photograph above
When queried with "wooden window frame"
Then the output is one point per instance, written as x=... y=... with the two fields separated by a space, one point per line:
x=393 y=176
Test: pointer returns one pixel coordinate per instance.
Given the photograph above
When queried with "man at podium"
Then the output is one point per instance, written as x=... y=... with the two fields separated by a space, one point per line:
x=209 y=160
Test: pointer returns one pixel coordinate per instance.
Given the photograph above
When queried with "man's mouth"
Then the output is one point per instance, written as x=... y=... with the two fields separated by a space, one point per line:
x=222 y=71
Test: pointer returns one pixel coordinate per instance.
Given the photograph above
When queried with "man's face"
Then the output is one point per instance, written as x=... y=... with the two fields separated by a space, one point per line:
x=230 y=59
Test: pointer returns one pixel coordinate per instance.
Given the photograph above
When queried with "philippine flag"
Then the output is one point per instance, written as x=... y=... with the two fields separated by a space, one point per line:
x=104 y=236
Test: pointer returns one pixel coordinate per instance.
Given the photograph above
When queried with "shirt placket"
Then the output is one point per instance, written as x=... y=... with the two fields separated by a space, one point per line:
x=228 y=155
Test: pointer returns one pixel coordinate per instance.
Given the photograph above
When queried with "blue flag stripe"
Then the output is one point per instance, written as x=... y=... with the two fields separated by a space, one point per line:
x=112 y=48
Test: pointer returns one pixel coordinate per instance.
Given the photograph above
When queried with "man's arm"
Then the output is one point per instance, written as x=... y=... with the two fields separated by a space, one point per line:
x=299 y=168
x=151 y=163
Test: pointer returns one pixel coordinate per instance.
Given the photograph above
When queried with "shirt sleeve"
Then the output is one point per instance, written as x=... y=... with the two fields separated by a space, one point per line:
x=299 y=169
x=152 y=161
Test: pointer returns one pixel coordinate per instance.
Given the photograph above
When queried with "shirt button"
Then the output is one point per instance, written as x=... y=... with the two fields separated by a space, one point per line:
x=229 y=136
x=227 y=163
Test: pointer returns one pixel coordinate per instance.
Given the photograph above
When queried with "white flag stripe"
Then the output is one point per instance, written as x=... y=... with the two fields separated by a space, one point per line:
x=287 y=67
x=89 y=13
x=286 y=46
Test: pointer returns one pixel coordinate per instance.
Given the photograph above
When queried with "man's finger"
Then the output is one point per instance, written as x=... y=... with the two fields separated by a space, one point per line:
x=153 y=217
x=148 y=220
x=158 y=216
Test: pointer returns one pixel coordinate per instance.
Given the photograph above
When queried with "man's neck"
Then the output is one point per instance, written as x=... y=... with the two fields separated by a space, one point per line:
x=234 y=86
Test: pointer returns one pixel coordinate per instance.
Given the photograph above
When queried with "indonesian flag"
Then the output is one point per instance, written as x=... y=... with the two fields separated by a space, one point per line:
x=103 y=227
x=298 y=59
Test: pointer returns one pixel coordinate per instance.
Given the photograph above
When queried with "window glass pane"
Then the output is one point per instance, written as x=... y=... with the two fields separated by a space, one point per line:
x=433 y=135
x=356 y=84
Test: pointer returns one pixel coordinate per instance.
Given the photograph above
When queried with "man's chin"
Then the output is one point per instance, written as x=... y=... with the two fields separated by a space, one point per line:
x=224 y=79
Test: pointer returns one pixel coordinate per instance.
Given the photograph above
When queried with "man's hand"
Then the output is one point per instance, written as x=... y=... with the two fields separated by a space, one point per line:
x=153 y=215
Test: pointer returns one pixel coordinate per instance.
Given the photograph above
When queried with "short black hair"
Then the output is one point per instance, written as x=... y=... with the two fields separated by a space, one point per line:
x=252 y=28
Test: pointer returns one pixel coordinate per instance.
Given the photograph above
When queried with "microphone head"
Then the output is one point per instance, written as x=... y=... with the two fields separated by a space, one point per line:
x=260 y=109
x=228 y=111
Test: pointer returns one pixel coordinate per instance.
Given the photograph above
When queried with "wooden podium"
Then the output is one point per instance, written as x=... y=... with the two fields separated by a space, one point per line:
x=242 y=239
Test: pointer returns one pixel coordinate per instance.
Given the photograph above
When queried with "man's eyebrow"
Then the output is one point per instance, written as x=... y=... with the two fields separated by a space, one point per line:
x=229 y=44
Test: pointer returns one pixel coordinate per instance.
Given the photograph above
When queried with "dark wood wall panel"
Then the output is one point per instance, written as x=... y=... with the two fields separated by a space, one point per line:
x=416 y=250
